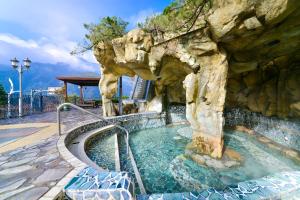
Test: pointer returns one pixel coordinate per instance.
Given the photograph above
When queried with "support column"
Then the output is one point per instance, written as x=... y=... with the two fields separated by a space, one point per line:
x=120 y=96
x=205 y=98
x=108 y=86
x=20 y=92
x=81 y=95
x=31 y=101
x=66 y=91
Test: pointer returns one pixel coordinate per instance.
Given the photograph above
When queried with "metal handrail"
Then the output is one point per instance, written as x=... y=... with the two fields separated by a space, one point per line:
x=93 y=114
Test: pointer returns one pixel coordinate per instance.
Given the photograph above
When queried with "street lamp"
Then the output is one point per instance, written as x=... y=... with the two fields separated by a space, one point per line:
x=20 y=69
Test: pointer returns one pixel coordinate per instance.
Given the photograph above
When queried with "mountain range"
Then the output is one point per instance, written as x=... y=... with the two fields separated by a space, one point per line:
x=43 y=75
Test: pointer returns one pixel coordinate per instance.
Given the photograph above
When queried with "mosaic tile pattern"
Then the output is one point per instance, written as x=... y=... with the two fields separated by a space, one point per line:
x=176 y=114
x=283 y=185
x=104 y=155
x=104 y=185
x=284 y=132
x=91 y=184
x=134 y=122
x=131 y=122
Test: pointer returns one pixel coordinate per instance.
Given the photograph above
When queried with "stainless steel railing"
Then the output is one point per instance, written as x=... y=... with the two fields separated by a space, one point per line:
x=93 y=114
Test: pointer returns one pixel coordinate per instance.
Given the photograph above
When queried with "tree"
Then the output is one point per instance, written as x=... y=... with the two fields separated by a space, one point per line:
x=179 y=16
x=3 y=96
x=107 y=29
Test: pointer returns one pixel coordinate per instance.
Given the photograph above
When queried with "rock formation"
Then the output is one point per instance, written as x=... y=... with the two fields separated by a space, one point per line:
x=262 y=38
x=249 y=48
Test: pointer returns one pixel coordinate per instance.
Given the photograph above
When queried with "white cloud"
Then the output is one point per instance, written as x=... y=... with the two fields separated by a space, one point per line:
x=50 y=29
x=53 y=19
x=10 y=39
x=140 y=17
x=51 y=32
x=47 y=50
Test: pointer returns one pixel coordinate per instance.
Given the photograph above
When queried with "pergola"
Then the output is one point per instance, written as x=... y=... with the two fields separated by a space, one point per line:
x=80 y=81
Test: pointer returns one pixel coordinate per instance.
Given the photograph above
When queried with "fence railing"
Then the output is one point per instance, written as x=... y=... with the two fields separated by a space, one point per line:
x=31 y=104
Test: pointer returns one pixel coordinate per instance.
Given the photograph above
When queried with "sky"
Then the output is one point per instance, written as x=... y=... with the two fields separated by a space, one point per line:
x=47 y=31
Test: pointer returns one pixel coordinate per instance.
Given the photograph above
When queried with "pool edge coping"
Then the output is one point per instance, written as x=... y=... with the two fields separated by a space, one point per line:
x=57 y=191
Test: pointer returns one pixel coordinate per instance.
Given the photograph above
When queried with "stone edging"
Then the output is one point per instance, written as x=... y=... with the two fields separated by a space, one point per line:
x=56 y=192
x=284 y=150
x=284 y=132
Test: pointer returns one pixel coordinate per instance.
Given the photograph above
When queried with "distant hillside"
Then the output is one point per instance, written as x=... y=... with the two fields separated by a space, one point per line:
x=43 y=75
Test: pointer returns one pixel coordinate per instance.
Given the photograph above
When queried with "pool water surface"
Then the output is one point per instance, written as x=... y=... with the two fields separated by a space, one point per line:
x=164 y=166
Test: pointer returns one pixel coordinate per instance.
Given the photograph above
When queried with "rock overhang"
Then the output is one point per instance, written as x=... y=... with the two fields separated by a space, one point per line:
x=243 y=54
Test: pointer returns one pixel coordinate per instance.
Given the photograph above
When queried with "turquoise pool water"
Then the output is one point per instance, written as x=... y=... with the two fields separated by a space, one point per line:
x=164 y=167
x=101 y=150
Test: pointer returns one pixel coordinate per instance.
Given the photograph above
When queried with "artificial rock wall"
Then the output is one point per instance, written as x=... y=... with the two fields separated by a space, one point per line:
x=262 y=39
x=190 y=68
x=249 y=48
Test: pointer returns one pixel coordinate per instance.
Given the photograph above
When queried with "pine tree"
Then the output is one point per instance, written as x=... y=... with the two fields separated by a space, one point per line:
x=107 y=29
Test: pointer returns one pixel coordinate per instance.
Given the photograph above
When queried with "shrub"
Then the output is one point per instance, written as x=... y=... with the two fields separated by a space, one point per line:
x=3 y=96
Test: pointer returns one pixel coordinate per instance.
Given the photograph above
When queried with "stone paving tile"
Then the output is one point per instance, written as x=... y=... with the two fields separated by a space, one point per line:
x=17 y=163
x=9 y=195
x=12 y=134
x=29 y=172
x=34 y=193
x=15 y=170
x=12 y=185
x=32 y=174
x=51 y=175
x=4 y=158
x=50 y=117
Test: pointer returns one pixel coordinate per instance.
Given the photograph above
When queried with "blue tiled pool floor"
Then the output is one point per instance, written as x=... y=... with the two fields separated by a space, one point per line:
x=165 y=167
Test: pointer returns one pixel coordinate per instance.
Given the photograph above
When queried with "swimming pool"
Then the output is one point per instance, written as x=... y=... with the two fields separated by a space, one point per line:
x=167 y=166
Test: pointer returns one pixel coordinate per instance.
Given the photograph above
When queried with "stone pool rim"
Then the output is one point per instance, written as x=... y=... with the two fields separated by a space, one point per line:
x=65 y=139
x=92 y=125
x=57 y=192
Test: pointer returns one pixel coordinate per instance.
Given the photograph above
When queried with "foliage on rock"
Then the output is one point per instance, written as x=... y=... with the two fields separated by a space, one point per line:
x=107 y=29
x=179 y=16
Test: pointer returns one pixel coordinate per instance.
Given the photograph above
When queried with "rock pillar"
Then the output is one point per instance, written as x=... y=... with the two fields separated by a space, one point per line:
x=205 y=98
x=108 y=86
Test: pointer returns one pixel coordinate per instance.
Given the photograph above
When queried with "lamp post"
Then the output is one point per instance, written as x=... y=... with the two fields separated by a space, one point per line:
x=20 y=69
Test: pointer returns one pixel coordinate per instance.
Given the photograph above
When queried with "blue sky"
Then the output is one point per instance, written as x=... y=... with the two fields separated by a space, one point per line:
x=47 y=30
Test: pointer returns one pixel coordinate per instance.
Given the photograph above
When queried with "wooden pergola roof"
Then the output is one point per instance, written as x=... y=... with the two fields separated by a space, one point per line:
x=82 y=81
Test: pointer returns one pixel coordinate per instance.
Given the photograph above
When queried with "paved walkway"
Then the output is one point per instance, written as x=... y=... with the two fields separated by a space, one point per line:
x=30 y=164
x=40 y=132
x=9 y=134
